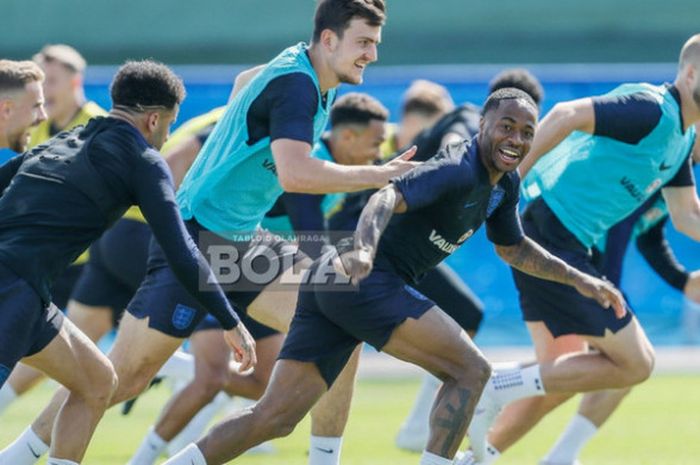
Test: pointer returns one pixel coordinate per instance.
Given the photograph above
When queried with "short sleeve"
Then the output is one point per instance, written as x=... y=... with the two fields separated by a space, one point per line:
x=626 y=118
x=293 y=103
x=431 y=181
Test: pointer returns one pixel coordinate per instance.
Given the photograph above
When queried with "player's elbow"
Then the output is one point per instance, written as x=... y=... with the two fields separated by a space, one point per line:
x=291 y=181
x=507 y=253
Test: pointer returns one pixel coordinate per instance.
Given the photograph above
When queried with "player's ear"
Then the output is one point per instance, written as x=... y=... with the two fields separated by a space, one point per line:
x=152 y=120
x=481 y=124
x=4 y=108
x=329 y=39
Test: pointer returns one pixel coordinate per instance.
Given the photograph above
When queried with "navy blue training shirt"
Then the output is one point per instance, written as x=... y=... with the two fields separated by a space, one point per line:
x=59 y=197
x=448 y=198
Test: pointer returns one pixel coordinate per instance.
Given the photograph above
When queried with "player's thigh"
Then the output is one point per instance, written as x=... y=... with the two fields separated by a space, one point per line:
x=294 y=388
x=211 y=354
x=629 y=347
x=95 y=322
x=275 y=305
x=548 y=348
x=435 y=342
x=267 y=350
x=73 y=360
x=138 y=353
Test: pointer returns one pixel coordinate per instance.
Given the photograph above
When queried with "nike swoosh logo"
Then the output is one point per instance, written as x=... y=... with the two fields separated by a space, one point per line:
x=36 y=456
x=327 y=451
x=470 y=204
x=664 y=166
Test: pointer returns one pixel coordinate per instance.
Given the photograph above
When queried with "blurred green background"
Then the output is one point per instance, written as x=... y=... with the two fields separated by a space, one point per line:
x=418 y=31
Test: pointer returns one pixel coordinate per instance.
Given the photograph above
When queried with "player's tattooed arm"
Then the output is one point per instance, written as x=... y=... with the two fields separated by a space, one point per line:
x=373 y=221
x=528 y=257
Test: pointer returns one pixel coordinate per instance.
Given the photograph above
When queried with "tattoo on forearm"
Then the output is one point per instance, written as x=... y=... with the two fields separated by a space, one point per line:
x=456 y=422
x=374 y=218
x=529 y=257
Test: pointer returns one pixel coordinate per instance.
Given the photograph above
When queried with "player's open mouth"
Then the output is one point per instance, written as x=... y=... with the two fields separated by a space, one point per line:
x=509 y=155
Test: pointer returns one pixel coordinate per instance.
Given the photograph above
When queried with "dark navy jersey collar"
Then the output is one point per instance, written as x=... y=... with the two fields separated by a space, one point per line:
x=130 y=127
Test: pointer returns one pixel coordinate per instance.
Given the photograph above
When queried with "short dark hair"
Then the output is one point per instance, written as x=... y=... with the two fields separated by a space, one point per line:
x=337 y=14
x=14 y=75
x=357 y=108
x=146 y=83
x=508 y=93
x=426 y=98
x=518 y=78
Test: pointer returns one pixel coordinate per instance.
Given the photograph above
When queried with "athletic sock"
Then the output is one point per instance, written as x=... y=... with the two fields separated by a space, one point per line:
x=53 y=461
x=578 y=432
x=419 y=418
x=431 y=459
x=325 y=450
x=190 y=455
x=507 y=386
x=149 y=450
x=26 y=450
x=492 y=454
x=7 y=396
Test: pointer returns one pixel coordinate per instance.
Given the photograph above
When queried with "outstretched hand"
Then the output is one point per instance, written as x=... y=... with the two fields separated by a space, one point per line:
x=402 y=163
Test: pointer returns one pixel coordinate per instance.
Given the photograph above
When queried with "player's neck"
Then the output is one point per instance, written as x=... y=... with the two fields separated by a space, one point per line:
x=135 y=121
x=327 y=78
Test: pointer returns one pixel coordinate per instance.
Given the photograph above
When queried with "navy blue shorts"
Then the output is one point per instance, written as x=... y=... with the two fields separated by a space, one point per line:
x=257 y=330
x=64 y=285
x=561 y=308
x=170 y=307
x=26 y=325
x=328 y=324
x=444 y=287
x=116 y=267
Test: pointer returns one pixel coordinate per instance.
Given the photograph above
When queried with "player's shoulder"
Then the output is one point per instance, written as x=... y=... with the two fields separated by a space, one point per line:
x=459 y=162
x=115 y=136
x=635 y=96
x=291 y=84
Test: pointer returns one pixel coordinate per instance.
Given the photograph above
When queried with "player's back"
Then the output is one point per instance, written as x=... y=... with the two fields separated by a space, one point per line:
x=64 y=194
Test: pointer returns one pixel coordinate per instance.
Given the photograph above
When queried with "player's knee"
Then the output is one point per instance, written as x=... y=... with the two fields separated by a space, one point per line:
x=208 y=385
x=130 y=386
x=102 y=386
x=642 y=368
x=476 y=372
x=279 y=419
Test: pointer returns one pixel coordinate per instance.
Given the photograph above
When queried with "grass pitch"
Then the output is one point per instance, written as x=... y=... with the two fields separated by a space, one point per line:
x=658 y=423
